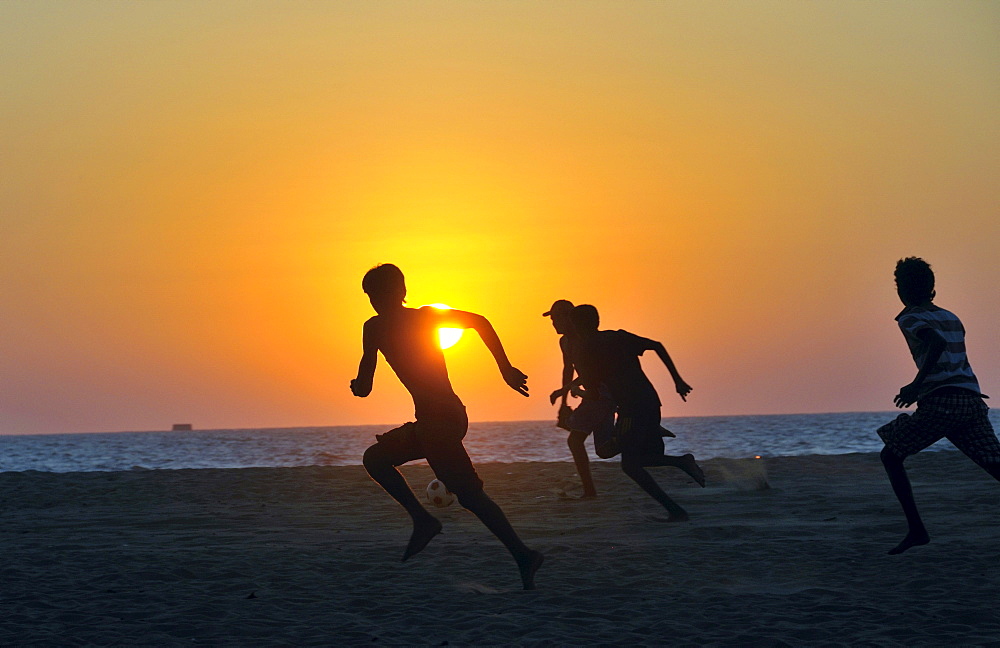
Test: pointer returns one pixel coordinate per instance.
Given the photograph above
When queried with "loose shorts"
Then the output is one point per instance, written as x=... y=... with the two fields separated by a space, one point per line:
x=635 y=434
x=437 y=439
x=639 y=433
x=592 y=415
x=961 y=418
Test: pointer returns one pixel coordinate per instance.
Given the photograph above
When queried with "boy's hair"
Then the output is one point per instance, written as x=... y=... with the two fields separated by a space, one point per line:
x=914 y=280
x=383 y=280
x=585 y=318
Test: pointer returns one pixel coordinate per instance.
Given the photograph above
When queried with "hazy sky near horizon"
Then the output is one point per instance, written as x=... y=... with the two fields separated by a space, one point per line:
x=191 y=192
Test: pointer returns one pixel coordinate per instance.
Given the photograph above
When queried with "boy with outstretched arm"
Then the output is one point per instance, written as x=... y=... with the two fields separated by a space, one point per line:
x=408 y=340
x=946 y=391
x=611 y=358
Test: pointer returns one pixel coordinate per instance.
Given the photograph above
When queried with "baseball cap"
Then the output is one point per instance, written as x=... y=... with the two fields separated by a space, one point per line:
x=559 y=306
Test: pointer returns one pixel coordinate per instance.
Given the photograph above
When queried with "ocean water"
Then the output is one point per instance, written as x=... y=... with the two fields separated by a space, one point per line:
x=706 y=436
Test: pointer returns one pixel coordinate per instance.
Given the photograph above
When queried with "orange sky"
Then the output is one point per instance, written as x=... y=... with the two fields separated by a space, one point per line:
x=191 y=192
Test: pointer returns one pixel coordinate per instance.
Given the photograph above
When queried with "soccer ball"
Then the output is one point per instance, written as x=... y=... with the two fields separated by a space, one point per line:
x=439 y=495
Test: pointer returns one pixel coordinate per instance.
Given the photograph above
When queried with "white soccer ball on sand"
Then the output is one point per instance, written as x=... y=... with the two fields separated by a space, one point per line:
x=439 y=495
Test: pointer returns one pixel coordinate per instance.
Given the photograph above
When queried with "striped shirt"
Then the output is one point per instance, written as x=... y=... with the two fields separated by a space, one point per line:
x=952 y=368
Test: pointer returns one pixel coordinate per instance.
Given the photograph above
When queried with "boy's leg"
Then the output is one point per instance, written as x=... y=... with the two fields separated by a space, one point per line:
x=684 y=462
x=451 y=463
x=917 y=534
x=639 y=435
x=643 y=436
x=578 y=449
x=632 y=466
x=976 y=438
x=492 y=516
x=595 y=416
x=380 y=460
x=904 y=436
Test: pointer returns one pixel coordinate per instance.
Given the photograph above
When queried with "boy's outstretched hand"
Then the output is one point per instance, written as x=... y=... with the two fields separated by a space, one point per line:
x=683 y=389
x=516 y=379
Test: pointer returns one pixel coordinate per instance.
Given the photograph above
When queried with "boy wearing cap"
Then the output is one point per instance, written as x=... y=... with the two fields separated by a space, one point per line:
x=596 y=411
x=946 y=391
x=611 y=358
x=408 y=340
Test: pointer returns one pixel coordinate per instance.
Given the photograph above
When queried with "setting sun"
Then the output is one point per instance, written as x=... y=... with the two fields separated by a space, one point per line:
x=447 y=337
x=194 y=191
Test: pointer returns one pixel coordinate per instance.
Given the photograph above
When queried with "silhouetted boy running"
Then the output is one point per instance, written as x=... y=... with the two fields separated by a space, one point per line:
x=949 y=403
x=596 y=411
x=612 y=358
x=408 y=340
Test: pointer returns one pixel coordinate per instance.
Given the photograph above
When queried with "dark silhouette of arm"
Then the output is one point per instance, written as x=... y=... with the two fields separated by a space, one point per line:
x=567 y=371
x=515 y=378
x=565 y=389
x=362 y=385
x=683 y=389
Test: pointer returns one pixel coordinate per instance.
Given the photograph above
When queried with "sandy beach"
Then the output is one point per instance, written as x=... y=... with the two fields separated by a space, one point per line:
x=310 y=557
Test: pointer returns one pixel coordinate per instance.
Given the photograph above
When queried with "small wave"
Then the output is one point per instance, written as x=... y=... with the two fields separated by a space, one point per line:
x=324 y=458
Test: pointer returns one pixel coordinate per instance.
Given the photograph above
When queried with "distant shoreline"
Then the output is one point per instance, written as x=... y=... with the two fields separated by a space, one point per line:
x=393 y=424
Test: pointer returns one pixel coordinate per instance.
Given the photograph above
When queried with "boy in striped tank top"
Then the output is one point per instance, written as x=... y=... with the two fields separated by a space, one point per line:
x=946 y=391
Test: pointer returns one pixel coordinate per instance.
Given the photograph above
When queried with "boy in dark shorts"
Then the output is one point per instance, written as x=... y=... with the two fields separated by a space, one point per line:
x=596 y=411
x=408 y=340
x=611 y=358
x=946 y=391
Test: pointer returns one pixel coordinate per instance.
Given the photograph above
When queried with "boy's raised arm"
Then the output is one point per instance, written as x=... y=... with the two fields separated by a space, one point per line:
x=515 y=378
x=683 y=389
x=362 y=385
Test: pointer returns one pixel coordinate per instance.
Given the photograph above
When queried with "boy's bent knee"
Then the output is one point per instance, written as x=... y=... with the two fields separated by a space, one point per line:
x=991 y=467
x=631 y=466
x=469 y=497
x=374 y=457
x=890 y=458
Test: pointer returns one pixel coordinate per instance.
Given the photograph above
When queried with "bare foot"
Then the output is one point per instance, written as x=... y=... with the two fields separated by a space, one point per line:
x=423 y=532
x=911 y=540
x=691 y=467
x=528 y=565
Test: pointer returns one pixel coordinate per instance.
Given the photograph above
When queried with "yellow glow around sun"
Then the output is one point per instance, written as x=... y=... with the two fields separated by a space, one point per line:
x=447 y=337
